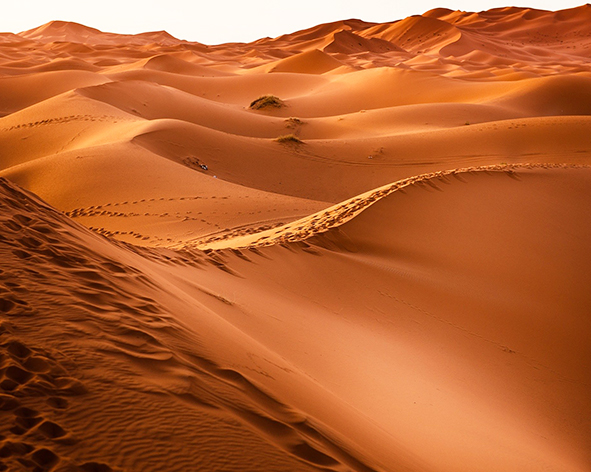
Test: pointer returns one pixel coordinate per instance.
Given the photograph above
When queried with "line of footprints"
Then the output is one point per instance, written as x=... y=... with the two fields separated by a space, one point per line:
x=27 y=435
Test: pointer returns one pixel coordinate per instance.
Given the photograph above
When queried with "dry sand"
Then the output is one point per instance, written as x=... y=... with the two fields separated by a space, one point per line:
x=403 y=285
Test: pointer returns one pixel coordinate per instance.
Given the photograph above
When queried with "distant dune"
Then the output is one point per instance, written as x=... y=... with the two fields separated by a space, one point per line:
x=382 y=266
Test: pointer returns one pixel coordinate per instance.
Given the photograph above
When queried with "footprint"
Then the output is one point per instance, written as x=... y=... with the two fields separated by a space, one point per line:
x=45 y=458
x=15 y=449
x=25 y=420
x=27 y=423
x=95 y=467
x=6 y=305
x=8 y=403
x=18 y=375
x=21 y=254
x=8 y=385
x=37 y=364
x=51 y=430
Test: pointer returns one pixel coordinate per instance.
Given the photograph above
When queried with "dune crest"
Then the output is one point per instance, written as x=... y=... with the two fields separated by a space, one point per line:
x=381 y=265
x=337 y=215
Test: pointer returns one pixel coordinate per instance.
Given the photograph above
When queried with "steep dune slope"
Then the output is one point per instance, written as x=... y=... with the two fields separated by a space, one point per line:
x=459 y=305
x=99 y=312
x=383 y=268
x=444 y=298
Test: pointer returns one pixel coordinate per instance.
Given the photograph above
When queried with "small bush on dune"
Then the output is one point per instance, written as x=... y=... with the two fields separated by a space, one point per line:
x=289 y=139
x=293 y=122
x=266 y=101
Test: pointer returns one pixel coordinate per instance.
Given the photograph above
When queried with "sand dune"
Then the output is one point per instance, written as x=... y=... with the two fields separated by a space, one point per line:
x=309 y=62
x=385 y=268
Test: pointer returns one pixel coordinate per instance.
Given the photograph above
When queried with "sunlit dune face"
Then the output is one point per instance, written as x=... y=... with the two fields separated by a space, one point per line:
x=357 y=247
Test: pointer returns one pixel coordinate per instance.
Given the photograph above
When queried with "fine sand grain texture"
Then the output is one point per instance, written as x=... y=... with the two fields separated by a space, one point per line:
x=355 y=248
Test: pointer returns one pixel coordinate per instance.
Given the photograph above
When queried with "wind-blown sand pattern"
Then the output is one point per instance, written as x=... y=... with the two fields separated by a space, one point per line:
x=385 y=269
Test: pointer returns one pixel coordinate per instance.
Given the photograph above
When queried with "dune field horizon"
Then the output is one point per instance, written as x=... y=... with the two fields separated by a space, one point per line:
x=359 y=247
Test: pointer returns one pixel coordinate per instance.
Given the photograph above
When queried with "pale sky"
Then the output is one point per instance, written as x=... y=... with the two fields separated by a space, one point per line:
x=218 y=21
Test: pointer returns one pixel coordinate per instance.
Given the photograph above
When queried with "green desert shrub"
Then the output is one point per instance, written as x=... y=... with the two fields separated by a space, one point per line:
x=267 y=101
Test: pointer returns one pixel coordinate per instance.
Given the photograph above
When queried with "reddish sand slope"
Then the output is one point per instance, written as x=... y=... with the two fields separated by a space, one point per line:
x=400 y=284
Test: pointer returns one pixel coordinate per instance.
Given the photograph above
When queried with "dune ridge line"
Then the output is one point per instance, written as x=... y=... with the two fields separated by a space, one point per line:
x=380 y=264
x=336 y=215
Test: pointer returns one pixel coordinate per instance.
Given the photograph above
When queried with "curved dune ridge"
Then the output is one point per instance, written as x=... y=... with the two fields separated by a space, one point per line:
x=382 y=266
x=339 y=214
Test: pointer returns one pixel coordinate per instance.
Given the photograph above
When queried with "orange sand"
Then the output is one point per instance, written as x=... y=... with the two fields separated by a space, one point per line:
x=404 y=289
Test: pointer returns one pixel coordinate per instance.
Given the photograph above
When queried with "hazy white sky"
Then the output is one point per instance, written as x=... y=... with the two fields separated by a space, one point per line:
x=217 y=21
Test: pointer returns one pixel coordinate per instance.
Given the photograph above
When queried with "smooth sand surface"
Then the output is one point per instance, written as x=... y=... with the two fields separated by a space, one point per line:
x=401 y=284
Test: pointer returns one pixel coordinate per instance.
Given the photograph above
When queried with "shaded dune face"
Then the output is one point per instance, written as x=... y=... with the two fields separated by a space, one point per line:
x=381 y=265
